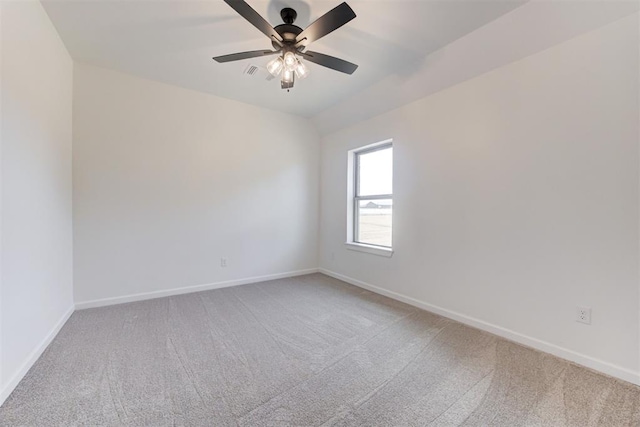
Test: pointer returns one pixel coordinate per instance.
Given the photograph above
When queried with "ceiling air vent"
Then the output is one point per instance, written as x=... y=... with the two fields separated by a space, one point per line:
x=251 y=70
x=255 y=71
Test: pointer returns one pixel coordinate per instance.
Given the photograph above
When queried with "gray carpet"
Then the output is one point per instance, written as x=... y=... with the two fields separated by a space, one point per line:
x=306 y=351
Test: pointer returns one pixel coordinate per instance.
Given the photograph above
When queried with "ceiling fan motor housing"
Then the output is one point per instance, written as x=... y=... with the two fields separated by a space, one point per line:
x=287 y=31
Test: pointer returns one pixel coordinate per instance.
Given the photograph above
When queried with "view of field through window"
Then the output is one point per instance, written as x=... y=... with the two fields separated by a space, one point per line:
x=374 y=215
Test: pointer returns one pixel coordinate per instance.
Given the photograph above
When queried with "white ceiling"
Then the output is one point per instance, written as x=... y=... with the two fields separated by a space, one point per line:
x=173 y=42
x=531 y=28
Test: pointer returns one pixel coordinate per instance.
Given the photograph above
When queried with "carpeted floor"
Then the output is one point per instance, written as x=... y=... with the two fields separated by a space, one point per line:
x=305 y=351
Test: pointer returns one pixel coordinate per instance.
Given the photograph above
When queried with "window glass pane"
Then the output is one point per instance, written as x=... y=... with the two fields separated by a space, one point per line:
x=375 y=172
x=374 y=222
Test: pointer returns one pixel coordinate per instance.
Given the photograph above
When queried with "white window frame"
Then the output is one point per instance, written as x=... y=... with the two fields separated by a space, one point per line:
x=353 y=199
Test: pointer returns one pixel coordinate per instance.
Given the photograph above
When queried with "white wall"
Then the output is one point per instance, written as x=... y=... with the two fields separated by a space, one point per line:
x=516 y=199
x=36 y=238
x=167 y=181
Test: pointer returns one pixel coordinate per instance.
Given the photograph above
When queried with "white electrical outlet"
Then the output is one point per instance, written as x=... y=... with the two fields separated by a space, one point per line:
x=583 y=314
x=223 y=262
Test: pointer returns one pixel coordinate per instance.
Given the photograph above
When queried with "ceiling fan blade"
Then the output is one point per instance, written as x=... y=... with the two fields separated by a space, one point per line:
x=254 y=18
x=244 y=55
x=329 y=62
x=327 y=23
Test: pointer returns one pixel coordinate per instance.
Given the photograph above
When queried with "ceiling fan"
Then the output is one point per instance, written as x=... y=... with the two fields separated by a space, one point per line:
x=290 y=41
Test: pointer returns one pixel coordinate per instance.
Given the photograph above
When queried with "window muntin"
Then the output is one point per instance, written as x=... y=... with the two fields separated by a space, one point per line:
x=373 y=196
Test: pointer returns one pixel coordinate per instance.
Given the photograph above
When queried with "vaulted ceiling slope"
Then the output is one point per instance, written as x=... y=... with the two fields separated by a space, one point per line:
x=405 y=49
x=174 y=41
x=529 y=29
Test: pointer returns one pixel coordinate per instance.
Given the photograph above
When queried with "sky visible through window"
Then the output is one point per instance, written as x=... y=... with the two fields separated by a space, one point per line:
x=375 y=215
x=376 y=172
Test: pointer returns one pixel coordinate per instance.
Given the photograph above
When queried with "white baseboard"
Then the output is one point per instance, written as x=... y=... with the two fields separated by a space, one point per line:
x=189 y=289
x=570 y=355
x=33 y=357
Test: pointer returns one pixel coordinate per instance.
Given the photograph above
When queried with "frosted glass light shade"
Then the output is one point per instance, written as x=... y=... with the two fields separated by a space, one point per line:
x=287 y=76
x=275 y=66
x=290 y=61
x=301 y=70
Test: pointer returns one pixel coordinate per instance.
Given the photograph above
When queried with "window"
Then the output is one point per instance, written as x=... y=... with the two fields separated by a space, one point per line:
x=371 y=196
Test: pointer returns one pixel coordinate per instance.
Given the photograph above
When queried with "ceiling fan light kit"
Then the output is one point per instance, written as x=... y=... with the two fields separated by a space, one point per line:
x=287 y=63
x=290 y=41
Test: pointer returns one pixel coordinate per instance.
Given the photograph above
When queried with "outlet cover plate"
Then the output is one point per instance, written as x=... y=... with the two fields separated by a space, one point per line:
x=583 y=314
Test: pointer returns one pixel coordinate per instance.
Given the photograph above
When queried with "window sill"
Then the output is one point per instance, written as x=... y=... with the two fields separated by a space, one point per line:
x=369 y=249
